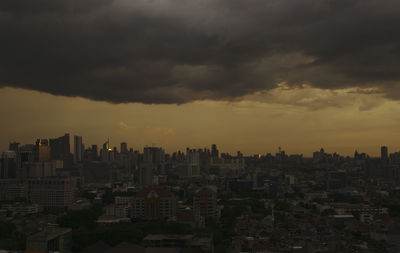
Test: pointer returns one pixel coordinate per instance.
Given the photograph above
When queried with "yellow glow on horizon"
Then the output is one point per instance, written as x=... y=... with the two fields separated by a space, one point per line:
x=303 y=120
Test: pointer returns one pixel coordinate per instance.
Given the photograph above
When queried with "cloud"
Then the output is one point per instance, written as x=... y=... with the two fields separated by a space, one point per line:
x=176 y=51
x=317 y=98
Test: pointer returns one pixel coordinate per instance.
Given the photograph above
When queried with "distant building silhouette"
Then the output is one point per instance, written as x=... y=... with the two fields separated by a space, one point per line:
x=78 y=150
x=60 y=148
x=124 y=147
x=42 y=150
x=384 y=153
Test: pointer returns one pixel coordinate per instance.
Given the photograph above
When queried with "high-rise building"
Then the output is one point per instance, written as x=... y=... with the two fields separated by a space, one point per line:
x=105 y=151
x=205 y=203
x=41 y=169
x=95 y=153
x=78 y=149
x=42 y=150
x=124 y=147
x=154 y=204
x=193 y=162
x=153 y=160
x=153 y=155
x=146 y=174
x=60 y=148
x=384 y=153
x=14 y=146
x=214 y=152
x=8 y=165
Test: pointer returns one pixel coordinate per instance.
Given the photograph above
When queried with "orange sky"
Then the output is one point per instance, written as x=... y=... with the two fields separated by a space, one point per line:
x=344 y=120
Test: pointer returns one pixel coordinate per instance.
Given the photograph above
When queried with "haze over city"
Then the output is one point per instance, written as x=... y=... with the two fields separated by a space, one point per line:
x=249 y=126
x=199 y=126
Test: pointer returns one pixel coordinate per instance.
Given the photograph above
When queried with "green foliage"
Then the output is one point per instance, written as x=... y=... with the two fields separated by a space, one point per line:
x=393 y=209
x=337 y=197
x=10 y=238
x=88 y=195
x=108 y=197
x=82 y=218
x=6 y=229
x=113 y=234
x=282 y=206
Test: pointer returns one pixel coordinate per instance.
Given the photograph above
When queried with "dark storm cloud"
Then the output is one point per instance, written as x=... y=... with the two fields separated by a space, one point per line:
x=175 y=51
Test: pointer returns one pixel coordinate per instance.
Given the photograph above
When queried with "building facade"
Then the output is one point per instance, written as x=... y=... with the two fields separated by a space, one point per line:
x=154 y=204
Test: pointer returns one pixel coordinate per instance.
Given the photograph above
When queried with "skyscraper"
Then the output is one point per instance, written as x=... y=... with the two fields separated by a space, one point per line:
x=214 y=152
x=95 y=153
x=60 y=147
x=42 y=150
x=384 y=153
x=77 y=149
x=124 y=147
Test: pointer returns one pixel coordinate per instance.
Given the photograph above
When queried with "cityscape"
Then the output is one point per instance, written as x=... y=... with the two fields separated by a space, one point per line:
x=60 y=195
x=199 y=126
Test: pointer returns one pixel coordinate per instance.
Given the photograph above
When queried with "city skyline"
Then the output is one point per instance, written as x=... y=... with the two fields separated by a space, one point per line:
x=249 y=75
x=207 y=126
x=79 y=147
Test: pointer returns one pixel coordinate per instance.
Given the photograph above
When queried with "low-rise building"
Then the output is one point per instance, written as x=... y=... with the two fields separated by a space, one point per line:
x=52 y=239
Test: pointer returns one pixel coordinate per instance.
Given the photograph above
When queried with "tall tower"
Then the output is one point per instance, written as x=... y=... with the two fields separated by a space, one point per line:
x=77 y=149
x=42 y=150
x=60 y=148
x=214 y=152
x=95 y=153
x=384 y=153
x=124 y=147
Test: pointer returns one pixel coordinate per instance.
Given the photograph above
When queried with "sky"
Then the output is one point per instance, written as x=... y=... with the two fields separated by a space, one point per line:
x=249 y=75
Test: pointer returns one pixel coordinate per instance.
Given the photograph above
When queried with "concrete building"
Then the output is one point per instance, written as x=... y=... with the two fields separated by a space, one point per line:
x=154 y=204
x=146 y=173
x=384 y=153
x=11 y=189
x=78 y=149
x=124 y=147
x=52 y=239
x=8 y=165
x=205 y=203
x=42 y=150
x=52 y=193
x=60 y=148
x=41 y=169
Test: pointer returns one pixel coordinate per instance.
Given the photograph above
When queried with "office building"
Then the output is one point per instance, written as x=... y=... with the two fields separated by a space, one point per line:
x=8 y=165
x=41 y=169
x=78 y=150
x=52 y=193
x=214 y=152
x=384 y=153
x=60 y=148
x=124 y=147
x=42 y=150
x=95 y=153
